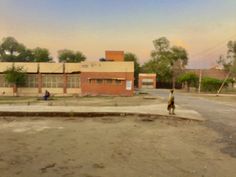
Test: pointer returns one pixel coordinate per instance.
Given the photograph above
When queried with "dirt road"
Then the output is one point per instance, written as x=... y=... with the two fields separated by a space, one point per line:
x=111 y=146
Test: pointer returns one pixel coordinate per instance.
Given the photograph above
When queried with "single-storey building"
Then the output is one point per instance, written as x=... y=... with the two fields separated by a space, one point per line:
x=147 y=80
x=85 y=78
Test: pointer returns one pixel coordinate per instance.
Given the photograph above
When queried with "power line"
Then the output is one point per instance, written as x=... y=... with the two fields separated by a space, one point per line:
x=211 y=49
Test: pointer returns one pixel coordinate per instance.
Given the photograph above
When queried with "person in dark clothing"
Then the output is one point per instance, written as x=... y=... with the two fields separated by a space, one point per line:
x=46 y=95
x=171 y=103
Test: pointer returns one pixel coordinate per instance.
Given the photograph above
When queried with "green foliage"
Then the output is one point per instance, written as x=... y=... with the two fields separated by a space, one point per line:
x=211 y=84
x=70 y=56
x=11 y=50
x=229 y=63
x=190 y=78
x=166 y=61
x=15 y=75
x=41 y=55
x=161 y=68
x=133 y=57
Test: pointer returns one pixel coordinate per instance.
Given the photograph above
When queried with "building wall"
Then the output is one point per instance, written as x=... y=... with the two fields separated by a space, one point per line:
x=6 y=91
x=213 y=73
x=115 y=55
x=143 y=77
x=67 y=79
x=91 y=87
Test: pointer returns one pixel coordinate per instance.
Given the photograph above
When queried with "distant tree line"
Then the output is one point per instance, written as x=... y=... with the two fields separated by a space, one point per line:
x=13 y=51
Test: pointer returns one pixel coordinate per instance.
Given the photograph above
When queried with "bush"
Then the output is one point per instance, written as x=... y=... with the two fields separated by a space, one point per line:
x=190 y=78
x=212 y=84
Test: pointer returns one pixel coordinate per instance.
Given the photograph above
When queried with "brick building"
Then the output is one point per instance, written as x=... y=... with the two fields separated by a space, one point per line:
x=147 y=80
x=86 y=78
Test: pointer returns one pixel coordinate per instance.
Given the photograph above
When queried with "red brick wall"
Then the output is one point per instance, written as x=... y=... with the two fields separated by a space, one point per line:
x=94 y=88
x=213 y=73
x=115 y=55
x=146 y=77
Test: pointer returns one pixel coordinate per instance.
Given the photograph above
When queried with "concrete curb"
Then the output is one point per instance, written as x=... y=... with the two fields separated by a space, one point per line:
x=144 y=116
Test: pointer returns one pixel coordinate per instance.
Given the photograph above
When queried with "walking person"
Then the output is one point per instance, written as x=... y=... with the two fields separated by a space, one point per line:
x=171 y=103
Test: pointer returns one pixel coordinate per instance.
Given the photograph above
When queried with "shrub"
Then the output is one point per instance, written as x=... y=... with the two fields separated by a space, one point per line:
x=190 y=78
x=212 y=84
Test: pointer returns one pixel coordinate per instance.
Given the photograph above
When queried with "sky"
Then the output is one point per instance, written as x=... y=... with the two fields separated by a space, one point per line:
x=202 y=27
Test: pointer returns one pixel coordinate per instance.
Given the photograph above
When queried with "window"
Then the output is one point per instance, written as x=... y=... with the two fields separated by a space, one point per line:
x=108 y=81
x=118 y=82
x=31 y=81
x=53 y=81
x=73 y=81
x=99 y=81
x=147 y=82
x=3 y=82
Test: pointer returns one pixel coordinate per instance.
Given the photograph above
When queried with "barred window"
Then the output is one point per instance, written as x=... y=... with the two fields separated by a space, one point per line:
x=108 y=81
x=118 y=82
x=73 y=81
x=31 y=81
x=99 y=81
x=3 y=82
x=52 y=81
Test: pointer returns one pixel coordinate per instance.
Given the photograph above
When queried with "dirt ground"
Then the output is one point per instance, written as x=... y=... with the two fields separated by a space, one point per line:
x=84 y=101
x=111 y=147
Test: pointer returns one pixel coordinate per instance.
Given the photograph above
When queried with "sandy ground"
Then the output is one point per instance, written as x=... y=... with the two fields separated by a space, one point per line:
x=111 y=147
x=84 y=101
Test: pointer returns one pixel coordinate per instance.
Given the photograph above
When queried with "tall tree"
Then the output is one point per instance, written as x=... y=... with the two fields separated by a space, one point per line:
x=16 y=76
x=166 y=61
x=70 y=56
x=11 y=50
x=229 y=63
x=132 y=57
x=178 y=61
x=41 y=55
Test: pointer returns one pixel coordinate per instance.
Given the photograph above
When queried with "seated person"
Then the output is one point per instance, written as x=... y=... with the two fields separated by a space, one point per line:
x=46 y=95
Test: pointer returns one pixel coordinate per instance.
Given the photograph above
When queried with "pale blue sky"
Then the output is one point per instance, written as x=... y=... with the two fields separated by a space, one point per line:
x=94 y=26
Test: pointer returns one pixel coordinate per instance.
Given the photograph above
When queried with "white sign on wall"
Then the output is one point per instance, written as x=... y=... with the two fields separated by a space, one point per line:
x=128 y=85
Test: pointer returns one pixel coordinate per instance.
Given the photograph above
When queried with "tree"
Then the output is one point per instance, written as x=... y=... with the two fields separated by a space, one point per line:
x=229 y=63
x=191 y=79
x=16 y=76
x=70 y=56
x=178 y=62
x=166 y=61
x=11 y=50
x=133 y=57
x=41 y=55
x=161 y=68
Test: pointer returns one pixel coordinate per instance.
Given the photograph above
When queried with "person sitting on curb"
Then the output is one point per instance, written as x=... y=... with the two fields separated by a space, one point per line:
x=46 y=95
x=171 y=103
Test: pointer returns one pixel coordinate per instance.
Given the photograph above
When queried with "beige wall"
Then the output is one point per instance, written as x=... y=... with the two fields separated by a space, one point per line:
x=6 y=91
x=29 y=67
x=72 y=67
x=73 y=91
x=5 y=65
x=51 y=67
x=107 y=66
x=27 y=91
x=147 y=74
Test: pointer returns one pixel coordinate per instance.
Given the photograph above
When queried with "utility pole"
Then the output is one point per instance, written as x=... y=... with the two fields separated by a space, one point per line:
x=222 y=85
x=200 y=81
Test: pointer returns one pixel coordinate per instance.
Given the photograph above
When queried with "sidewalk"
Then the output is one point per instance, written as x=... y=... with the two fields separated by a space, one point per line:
x=154 y=109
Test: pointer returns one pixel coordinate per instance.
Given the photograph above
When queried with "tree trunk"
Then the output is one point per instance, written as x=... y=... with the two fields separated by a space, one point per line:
x=14 y=90
x=173 y=82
